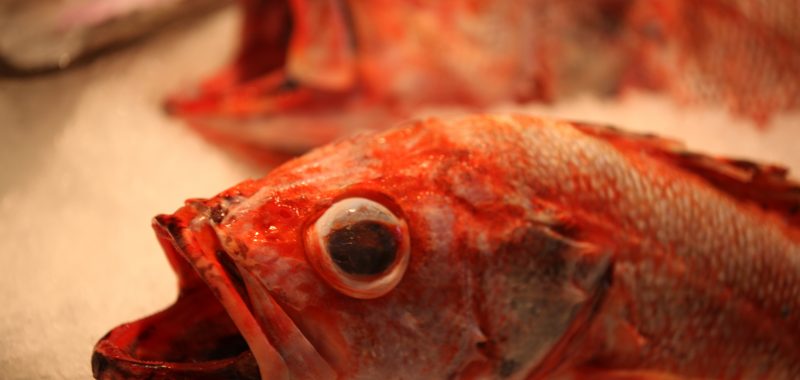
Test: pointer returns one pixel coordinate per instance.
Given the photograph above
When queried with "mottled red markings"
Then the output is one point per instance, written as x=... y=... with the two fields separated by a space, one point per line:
x=539 y=248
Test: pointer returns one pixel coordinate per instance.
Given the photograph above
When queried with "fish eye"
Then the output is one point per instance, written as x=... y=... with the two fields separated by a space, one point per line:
x=359 y=247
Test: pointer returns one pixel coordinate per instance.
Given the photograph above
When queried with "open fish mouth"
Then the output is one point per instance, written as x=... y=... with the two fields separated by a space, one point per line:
x=224 y=324
x=288 y=89
x=193 y=338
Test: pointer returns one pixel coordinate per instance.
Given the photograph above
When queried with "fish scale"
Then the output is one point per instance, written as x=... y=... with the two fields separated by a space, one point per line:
x=532 y=248
x=718 y=238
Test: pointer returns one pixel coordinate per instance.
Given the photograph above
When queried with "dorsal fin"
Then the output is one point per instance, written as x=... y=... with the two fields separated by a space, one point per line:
x=764 y=184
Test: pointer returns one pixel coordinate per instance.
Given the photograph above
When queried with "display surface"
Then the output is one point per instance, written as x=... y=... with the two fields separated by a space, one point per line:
x=48 y=35
x=502 y=246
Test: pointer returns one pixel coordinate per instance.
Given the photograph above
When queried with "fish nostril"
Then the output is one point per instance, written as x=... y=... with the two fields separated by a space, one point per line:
x=218 y=213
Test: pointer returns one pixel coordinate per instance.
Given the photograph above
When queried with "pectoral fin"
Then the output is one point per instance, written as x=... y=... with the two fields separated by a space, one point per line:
x=551 y=285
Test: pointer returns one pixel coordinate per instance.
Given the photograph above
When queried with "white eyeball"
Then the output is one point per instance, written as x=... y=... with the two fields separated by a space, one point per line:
x=359 y=247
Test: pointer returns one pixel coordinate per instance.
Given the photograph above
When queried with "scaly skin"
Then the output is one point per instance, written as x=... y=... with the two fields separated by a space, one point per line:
x=309 y=72
x=536 y=249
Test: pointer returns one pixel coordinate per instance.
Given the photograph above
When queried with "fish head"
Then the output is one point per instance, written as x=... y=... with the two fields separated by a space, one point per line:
x=308 y=73
x=355 y=247
x=363 y=259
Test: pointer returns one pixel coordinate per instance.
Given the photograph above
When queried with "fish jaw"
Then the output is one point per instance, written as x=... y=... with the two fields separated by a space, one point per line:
x=213 y=293
x=141 y=349
x=284 y=293
x=294 y=55
x=295 y=349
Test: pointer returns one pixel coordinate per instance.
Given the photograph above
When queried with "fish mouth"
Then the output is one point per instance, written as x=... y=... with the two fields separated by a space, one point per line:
x=193 y=338
x=288 y=89
x=283 y=62
x=224 y=324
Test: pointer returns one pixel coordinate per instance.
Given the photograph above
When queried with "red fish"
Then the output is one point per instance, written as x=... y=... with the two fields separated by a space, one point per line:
x=481 y=247
x=309 y=72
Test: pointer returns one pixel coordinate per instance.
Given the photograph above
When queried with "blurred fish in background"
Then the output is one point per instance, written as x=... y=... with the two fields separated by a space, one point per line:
x=39 y=36
x=308 y=72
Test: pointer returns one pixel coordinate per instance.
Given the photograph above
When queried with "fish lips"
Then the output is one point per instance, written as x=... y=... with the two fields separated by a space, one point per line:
x=225 y=323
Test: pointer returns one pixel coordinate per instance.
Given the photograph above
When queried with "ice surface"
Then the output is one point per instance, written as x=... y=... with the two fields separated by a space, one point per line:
x=87 y=157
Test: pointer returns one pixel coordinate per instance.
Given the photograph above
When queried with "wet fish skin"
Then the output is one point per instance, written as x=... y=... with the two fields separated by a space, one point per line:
x=309 y=72
x=537 y=249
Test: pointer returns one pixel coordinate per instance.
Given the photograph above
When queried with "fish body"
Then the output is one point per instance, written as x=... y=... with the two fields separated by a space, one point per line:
x=483 y=247
x=310 y=72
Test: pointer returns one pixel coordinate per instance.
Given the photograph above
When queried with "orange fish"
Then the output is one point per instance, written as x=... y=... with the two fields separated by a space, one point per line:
x=309 y=72
x=483 y=247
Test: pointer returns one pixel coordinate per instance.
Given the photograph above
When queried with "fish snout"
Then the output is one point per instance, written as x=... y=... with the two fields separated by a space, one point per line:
x=208 y=333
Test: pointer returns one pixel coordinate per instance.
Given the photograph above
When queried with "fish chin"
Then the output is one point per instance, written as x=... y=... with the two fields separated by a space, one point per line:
x=193 y=338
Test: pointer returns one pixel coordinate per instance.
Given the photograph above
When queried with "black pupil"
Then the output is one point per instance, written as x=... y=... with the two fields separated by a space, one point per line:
x=363 y=248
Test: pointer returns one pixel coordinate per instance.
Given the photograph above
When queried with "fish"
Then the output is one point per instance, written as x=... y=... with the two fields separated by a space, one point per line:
x=490 y=246
x=47 y=36
x=310 y=72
